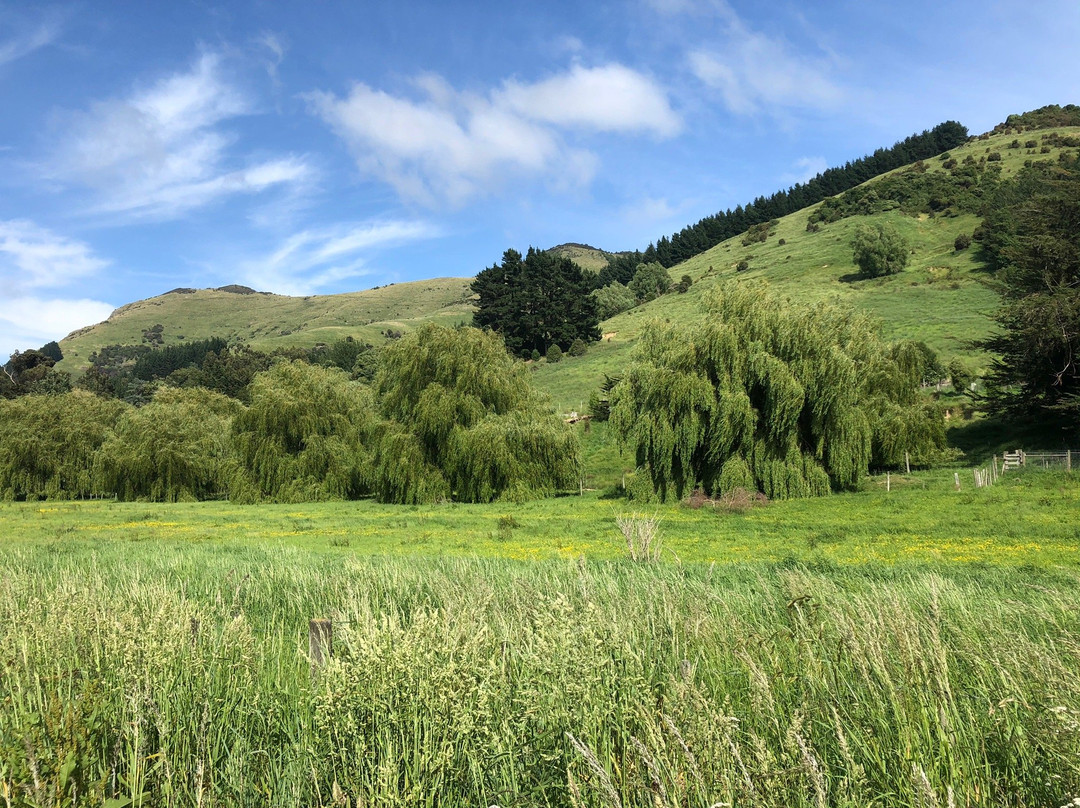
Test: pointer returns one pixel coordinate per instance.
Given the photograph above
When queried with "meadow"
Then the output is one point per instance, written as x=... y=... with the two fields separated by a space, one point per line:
x=912 y=647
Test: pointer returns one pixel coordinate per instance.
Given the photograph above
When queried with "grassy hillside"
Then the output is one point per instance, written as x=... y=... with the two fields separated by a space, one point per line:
x=943 y=297
x=267 y=321
x=588 y=258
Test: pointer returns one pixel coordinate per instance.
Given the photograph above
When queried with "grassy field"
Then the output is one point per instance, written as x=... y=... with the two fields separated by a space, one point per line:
x=913 y=648
x=1027 y=519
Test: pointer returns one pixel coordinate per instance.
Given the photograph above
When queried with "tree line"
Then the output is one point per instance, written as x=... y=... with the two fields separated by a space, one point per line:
x=448 y=414
x=712 y=230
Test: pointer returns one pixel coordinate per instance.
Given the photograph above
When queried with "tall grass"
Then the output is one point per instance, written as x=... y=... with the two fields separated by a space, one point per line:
x=180 y=677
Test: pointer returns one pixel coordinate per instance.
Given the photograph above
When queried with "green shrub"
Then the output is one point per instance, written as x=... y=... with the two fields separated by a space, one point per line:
x=554 y=353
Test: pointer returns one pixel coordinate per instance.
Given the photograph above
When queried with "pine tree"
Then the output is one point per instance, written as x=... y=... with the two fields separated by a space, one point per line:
x=535 y=302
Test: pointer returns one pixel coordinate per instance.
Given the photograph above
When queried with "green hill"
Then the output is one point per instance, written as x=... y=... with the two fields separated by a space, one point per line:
x=944 y=297
x=267 y=321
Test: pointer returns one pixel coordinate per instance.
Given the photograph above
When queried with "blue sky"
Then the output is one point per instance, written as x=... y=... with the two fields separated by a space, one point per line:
x=322 y=147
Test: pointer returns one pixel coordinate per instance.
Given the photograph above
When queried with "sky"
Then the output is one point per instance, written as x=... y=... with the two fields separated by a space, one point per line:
x=324 y=147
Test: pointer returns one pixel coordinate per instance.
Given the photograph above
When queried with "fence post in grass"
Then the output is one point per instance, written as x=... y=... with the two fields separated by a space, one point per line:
x=956 y=479
x=888 y=483
x=907 y=462
x=1068 y=460
x=320 y=643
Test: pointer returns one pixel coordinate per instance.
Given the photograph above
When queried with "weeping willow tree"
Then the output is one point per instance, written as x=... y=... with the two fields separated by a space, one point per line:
x=306 y=436
x=48 y=444
x=175 y=448
x=464 y=421
x=762 y=394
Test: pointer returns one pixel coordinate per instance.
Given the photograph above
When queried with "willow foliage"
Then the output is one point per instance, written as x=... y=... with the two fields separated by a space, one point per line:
x=175 y=448
x=306 y=436
x=465 y=421
x=793 y=401
x=48 y=444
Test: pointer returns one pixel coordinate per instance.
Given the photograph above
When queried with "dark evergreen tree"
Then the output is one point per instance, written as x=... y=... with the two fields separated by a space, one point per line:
x=1035 y=238
x=536 y=302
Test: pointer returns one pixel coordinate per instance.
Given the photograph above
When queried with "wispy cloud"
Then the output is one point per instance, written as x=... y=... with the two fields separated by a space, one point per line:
x=805 y=169
x=32 y=257
x=447 y=146
x=312 y=260
x=163 y=150
x=32 y=38
x=753 y=72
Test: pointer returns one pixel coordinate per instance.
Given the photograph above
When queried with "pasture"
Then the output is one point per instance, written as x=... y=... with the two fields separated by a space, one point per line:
x=914 y=647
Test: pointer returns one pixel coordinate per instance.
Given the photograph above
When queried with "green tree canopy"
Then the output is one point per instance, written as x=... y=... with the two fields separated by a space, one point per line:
x=535 y=302
x=879 y=249
x=48 y=443
x=613 y=299
x=306 y=436
x=761 y=394
x=464 y=421
x=1032 y=232
x=175 y=448
x=650 y=281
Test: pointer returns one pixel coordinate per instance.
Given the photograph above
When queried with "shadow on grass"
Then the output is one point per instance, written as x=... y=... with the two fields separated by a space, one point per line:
x=983 y=437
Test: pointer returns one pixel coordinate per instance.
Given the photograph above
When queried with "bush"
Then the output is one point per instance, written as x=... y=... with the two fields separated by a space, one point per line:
x=684 y=284
x=578 y=347
x=742 y=266
x=554 y=353
x=535 y=355
x=993 y=157
x=879 y=249
x=782 y=242
x=963 y=241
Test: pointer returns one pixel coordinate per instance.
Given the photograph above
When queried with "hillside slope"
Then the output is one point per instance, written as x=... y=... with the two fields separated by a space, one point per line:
x=944 y=297
x=267 y=321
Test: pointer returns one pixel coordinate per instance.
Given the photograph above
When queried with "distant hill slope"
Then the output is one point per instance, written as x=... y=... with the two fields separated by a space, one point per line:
x=586 y=257
x=943 y=297
x=268 y=321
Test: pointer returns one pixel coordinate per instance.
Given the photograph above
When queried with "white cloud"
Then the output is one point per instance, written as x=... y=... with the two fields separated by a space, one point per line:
x=162 y=151
x=756 y=73
x=32 y=257
x=612 y=98
x=29 y=322
x=312 y=260
x=450 y=146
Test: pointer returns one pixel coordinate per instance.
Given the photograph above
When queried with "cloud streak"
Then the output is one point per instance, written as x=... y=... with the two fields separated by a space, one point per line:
x=26 y=43
x=163 y=150
x=313 y=259
x=447 y=147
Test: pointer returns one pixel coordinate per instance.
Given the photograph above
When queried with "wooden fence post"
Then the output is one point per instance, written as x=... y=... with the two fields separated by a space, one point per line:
x=1068 y=460
x=907 y=462
x=956 y=479
x=888 y=483
x=320 y=642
